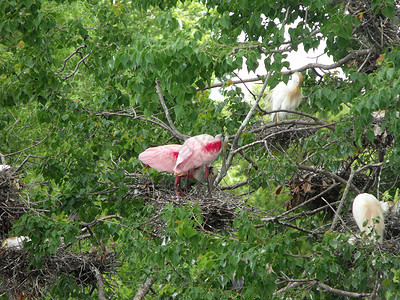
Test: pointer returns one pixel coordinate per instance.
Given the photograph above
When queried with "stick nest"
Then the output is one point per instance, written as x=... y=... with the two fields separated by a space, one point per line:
x=218 y=212
x=375 y=31
x=11 y=205
x=19 y=276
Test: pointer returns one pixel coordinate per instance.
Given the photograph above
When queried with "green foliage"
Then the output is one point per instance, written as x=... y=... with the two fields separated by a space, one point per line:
x=79 y=103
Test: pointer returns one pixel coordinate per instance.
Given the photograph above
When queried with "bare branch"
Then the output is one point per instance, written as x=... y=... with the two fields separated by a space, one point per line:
x=144 y=289
x=344 y=196
x=68 y=58
x=167 y=115
x=37 y=144
x=77 y=66
x=240 y=130
x=19 y=74
x=100 y=282
x=334 y=176
x=339 y=63
x=342 y=292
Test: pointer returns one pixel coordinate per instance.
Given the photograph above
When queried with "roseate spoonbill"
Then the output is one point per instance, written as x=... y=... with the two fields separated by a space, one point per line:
x=199 y=150
x=368 y=214
x=286 y=97
x=163 y=159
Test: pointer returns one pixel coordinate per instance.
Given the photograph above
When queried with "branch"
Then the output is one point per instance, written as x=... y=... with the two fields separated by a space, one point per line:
x=100 y=282
x=65 y=60
x=276 y=133
x=19 y=74
x=144 y=289
x=77 y=66
x=334 y=176
x=167 y=115
x=294 y=283
x=342 y=292
x=240 y=130
x=344 y=196
x=96 y=221
x=134 y=116
x=352 y=54
x=48 y=134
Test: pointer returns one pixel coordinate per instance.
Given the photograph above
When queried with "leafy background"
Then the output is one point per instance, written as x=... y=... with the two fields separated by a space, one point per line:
x=79 y=102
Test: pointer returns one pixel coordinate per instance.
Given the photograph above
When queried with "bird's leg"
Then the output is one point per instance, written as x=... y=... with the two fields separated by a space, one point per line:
x=208 y=181
x=187 y=182
x=178 y=185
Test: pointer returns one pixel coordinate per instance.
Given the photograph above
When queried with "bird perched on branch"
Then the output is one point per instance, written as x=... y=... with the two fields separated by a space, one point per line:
x=188 y=160
x=368 y=214
x=285 y=96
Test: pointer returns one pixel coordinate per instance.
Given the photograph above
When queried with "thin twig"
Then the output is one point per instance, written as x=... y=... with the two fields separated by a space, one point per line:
x=167 y=115
x=339 y=209
x=41 y=141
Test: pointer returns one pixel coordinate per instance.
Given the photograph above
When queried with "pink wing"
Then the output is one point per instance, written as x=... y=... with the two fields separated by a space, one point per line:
x=197 y=151
x=162 y=158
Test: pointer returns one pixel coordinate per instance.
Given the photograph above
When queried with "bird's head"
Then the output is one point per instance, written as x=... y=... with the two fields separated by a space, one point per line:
x=297 y=78
x=213 y=172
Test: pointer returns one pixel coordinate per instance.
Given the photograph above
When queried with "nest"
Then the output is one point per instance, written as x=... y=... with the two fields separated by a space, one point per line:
x=284 y=136
x=11 y=207
x=375 y=31
x=19 y=277
x=218 y=212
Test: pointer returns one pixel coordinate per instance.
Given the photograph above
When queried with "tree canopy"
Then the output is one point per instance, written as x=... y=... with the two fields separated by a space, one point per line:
x=85 y=86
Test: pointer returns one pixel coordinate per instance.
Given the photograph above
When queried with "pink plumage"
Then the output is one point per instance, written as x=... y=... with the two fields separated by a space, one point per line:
x=164 y=158
x=197 y=151
x=161 y=158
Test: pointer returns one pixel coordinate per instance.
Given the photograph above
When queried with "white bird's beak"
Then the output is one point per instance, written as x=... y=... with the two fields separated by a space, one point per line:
x=295 y=90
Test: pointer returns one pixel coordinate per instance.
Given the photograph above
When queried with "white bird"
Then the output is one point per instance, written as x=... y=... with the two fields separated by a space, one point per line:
x=368 y=214
x=286 y=97
x=15 y=242
x=4 y=168
x=389 y=207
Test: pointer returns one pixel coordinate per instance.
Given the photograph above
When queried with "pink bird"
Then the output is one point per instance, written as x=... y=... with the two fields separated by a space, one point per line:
x=163 y=159
x=197 y=151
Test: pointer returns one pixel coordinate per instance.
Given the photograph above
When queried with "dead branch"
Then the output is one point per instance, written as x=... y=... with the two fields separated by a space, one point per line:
x=144 y=289
x=341 y=292
x=77 y=50
x=96 y=221
x=352 y=54
x=16 y=77
x=77 y=66
x=167 y=115
x=100 y=282
x=344 y=196
x=294 y=283
x=37 y=144
x=224 y=169
x=326 y=173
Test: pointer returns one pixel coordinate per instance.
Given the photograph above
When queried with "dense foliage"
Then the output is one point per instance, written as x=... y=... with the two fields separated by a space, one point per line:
x=85 y=86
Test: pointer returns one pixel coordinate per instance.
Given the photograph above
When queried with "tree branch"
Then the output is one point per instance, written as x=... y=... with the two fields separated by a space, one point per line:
x=100 y=282
x=334 y=176
x=144 y=289
x=344 y=196
x=240 y=130
x=352 y=54
x=167 y=115
x=41 y=141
